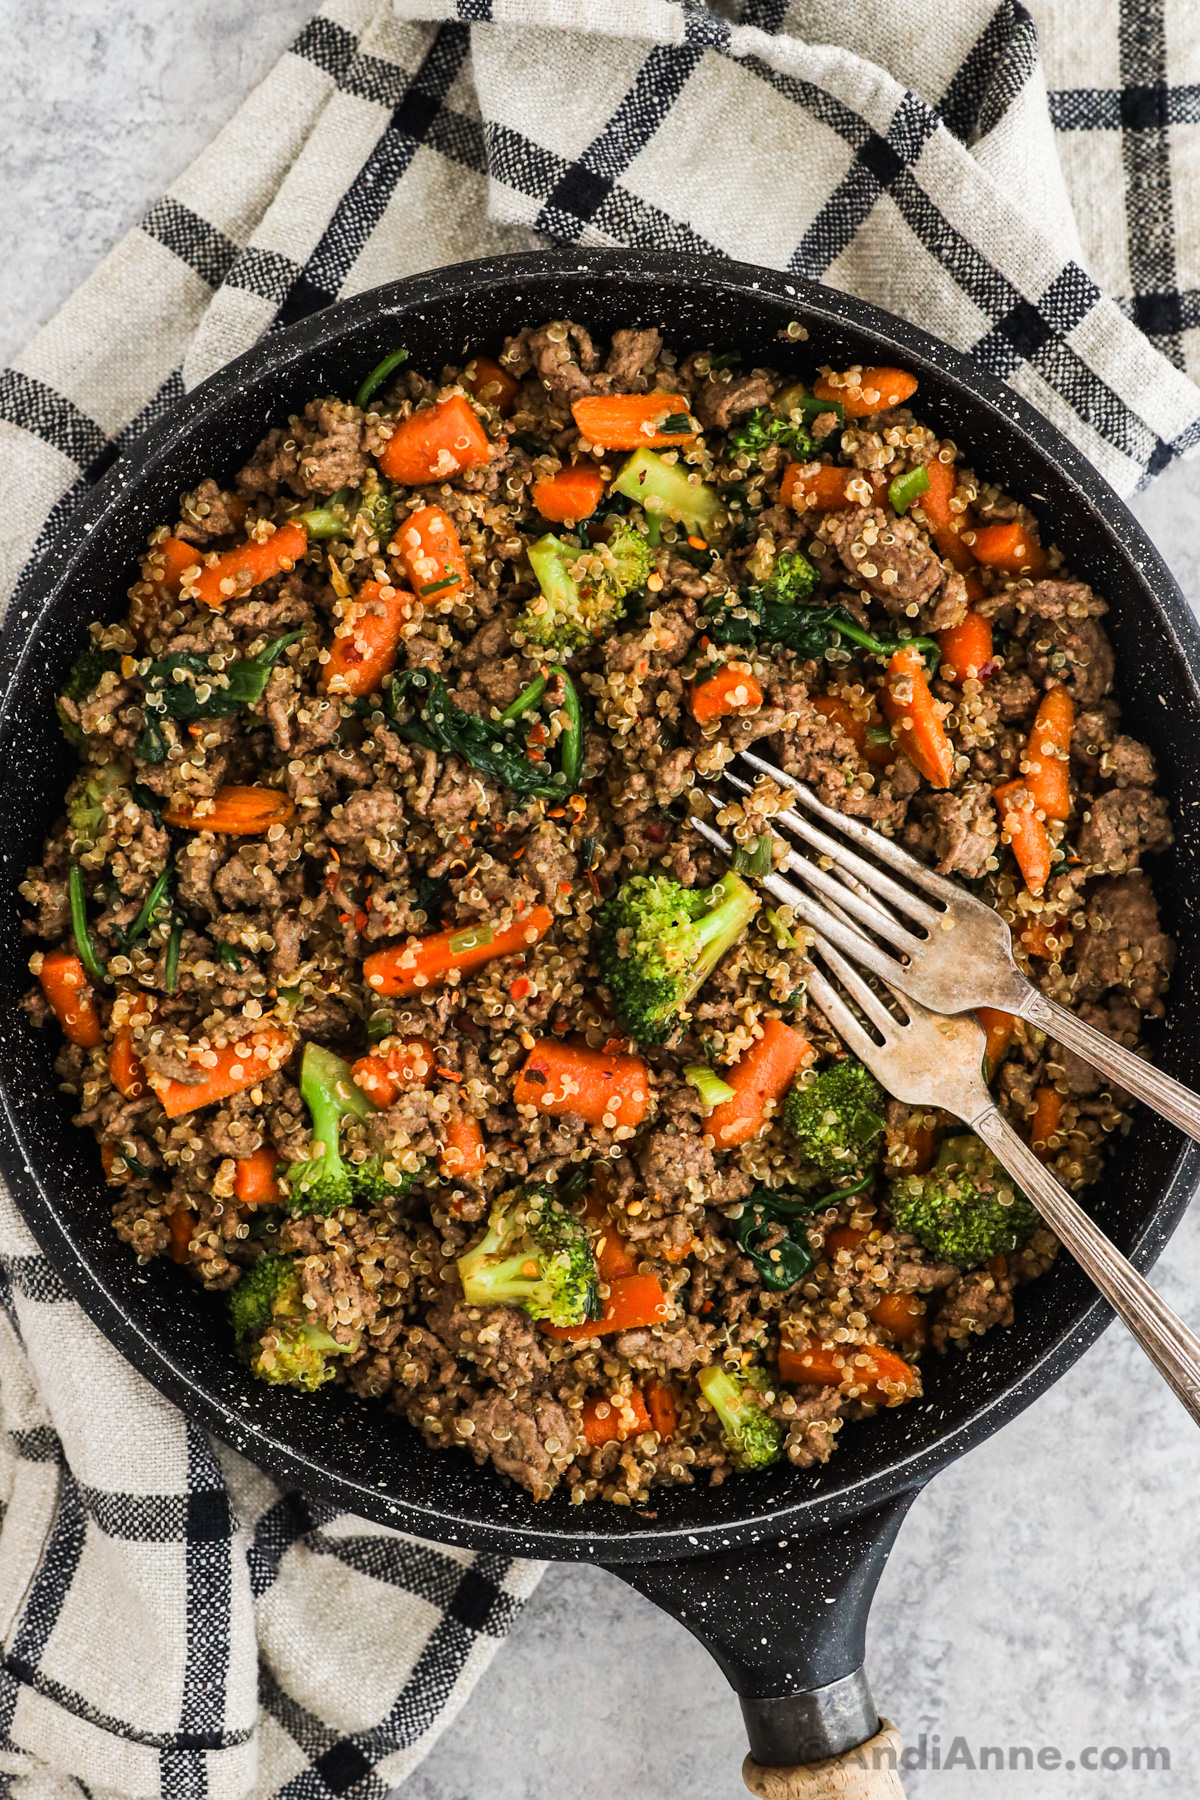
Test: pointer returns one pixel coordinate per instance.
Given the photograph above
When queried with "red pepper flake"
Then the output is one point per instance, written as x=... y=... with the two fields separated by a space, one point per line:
x=706 y=1308
x=697 y=543
x=361 y=920
x=561 y=1025
x=614 y=1045
x=593 y=883
x=518 y=854
x=556 y=812
x=520 y=988
x=343 y=918
x=448 y=1074
x=564 y=887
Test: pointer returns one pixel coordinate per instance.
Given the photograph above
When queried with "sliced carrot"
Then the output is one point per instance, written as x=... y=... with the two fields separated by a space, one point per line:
x=234 y=572
x=842 y=714
x=170 y=561
x=65 y=985
x=852 y=1366
x=1047 y=1116
x=463 y=1153
x=613 y=1259
x=372 y=1075
x=254 y=1181
x=125 y=1067
x=874 y=391
x=631 y=421
x=664 y=1413
x=916 y=717
x=574 y=493
x=362 y=657
x=399 y=1063
x=425 y=962
x=232 y=811
x=1001 y=1028
x=573 y=1078
x=763 y=1073
x=1027 y=834
x=436 y=443
x=922 y=1142
x=432 y=554
x=945 y=526
x=1048 y=754
x=606 y=1421
x=732 y=689
x=845 y=1237
x=230 y=1070
x=1010 y=548
x=181 y=1224
x=108 y=1158
x=966 y=649
x=823 y=488
x=1042 y=935
x=491 y=385
x=901 y=1317
x=633 y=1302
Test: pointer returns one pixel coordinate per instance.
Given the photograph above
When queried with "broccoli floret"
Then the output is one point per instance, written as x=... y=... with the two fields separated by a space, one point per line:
x=659 y=943
x=752 y=1435
x=966 y=1209
x=582 y=589
x=791 y=581
x=536 y=1256
x=85 y=675
x=671 y=490
x=835 y=1117
x=86 y=812
x=328 y=1180
x=274 y=1332
x=763 y=428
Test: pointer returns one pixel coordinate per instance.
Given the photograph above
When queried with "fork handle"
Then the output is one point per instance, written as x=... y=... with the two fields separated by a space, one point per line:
x=1170 y=1098
x=1171 y=1347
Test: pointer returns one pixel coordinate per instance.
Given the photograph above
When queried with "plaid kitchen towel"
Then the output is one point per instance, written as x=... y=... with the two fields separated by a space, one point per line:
x=171 y=1622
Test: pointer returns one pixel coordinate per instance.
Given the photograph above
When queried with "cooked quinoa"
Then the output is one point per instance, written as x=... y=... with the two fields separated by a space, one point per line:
x=234 y=667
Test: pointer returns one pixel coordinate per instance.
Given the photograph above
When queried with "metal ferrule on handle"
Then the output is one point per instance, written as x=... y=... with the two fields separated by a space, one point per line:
x=1138 y=1077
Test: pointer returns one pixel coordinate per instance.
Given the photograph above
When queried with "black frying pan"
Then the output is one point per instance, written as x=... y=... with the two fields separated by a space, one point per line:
x=748 y=1567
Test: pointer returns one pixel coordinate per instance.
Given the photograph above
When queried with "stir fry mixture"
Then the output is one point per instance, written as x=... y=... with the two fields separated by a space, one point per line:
x=411 y=1014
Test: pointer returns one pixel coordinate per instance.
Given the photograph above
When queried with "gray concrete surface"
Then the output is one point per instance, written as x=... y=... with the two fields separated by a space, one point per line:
x=1043 y=1592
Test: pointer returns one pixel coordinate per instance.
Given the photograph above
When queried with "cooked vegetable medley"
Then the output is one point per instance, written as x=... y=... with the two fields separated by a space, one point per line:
x=410 y=1012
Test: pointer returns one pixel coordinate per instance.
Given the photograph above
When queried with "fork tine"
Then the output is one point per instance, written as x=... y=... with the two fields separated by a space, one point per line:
x=864 y=949
x=874 y=841
x=873 y=917
x=867 y=874
x=841 y=1018
x=863 y=996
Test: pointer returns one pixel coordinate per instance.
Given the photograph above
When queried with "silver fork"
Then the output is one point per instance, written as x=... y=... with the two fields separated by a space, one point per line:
x=963 y=960
x=931 y=1059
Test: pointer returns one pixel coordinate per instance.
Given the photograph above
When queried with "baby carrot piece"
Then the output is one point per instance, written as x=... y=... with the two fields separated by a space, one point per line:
x=1001 y=1028
x=632 y=421
x=1047 y=1116
x=435 y=443
x=612 y=1254
x=254 y=1182
x=432 y=555
x=361 y=660
x=372 y=1075
x=763 y=1073
x=232 y=811
x=916 y=717
x=606 y=1421
x=490 y=384
x=840 y=713
x=235 y=572
x=875 y=390
x=170 y=560
x=572 y=1078
x=633 y=1302
x=966 y=649
x=229 y=1070
x=1048 y=754
x=844 y=1237
x=732 y=689
x=901 y=1317
x=65 y=985
x=181 y=1224
x=660 y=1404
x=1043 y=936
x=1009 y=548
x=922 y=1143
x=849 y=1366
x=1027 y=834
x=463 y=1151
x=822 y=487
x=574 y=493
x=125 y=1067
x=946 y=527
x=425 y=962
x=405 y=1062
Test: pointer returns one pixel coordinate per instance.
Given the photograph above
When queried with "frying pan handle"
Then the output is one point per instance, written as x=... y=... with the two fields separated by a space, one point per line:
x=786 y=1619
x=868 y=1773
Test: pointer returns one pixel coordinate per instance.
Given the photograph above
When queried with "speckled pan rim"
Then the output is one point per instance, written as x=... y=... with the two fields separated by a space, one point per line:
x=583 y=1534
